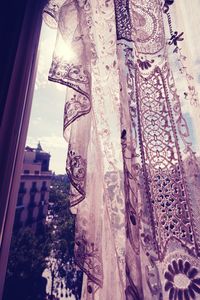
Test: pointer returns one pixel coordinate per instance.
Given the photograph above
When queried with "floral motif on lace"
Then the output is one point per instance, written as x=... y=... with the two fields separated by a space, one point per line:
x=162 y=165
x=70 y=75
x=87 y=258
x=76 y=170
x=77 y=78
x=182 y=280
x=167 y=4
x=174 y=41
x=141 y=22
x=123 y=20
x=51 y=12
x=76 y=106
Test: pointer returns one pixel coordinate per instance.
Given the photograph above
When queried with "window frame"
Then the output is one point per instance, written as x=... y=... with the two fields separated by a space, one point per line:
x=15 y=120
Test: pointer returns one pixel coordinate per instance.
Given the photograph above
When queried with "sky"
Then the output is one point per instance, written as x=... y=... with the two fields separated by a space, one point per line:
x=46 y=121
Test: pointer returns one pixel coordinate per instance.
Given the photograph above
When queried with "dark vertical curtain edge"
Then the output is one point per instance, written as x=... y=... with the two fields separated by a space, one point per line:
x=14 y=125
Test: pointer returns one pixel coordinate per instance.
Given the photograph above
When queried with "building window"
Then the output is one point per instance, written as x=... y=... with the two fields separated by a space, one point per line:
x=22 y=189
x=22 y=185
x=30 y=219
x=42 y=198
x=34 y=184
x=44 y=187
x=37 y=172
x=17 y=222
x=32 y=200
x=20 y=199
x=26 y=172
x=33 y=188
x=44 y=184
x=41 y=214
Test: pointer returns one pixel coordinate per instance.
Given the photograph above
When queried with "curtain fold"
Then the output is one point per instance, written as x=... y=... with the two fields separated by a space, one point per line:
x=130 y=121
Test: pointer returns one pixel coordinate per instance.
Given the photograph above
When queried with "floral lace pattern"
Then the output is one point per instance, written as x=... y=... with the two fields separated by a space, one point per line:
x=182 y=280
x=76 y=106
x=87 y=256
x=64 y=72
x=136 y=226
x=175 y=40
x=140 y=21
x=162 y=166
x=76 y=170
x=181 y=277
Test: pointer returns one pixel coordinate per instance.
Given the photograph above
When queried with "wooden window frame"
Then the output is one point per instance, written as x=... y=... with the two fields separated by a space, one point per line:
x=14 y=121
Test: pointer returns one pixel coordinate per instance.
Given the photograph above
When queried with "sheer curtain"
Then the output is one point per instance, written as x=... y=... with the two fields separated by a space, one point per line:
x=131 y=123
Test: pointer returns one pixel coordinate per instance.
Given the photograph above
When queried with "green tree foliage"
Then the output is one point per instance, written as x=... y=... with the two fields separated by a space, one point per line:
x=27 y=261
x=61 y=222
x=27 y=254
x=61 y=219
x=31 y=253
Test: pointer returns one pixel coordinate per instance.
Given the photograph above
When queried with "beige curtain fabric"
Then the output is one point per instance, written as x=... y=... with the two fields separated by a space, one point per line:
x=131 y=122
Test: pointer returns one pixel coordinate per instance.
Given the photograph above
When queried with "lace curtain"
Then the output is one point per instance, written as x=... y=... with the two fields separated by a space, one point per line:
x=131 y=123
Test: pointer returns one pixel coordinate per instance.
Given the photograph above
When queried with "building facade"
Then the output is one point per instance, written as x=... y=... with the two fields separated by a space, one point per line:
x=33 y=195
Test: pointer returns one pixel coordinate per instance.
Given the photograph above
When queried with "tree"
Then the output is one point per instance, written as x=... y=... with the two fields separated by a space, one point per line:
x=62 y=222
x=27 y=261
x=31 y=254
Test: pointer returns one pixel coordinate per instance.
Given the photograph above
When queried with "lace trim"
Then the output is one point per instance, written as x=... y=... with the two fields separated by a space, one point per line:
x=76 y=171
x=87 y=258
x=162 y=166
x=140 y=23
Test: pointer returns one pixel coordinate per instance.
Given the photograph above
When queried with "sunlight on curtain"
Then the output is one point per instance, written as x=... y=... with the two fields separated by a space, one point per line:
x=131 y=122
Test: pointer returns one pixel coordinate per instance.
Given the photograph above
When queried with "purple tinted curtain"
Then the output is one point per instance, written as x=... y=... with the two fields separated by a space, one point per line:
x=130 y=121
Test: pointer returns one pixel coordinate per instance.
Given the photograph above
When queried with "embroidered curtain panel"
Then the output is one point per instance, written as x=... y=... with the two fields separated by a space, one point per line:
x=131 y=120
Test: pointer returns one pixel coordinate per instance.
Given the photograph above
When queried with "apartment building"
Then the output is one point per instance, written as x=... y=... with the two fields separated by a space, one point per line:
x=33 y=195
